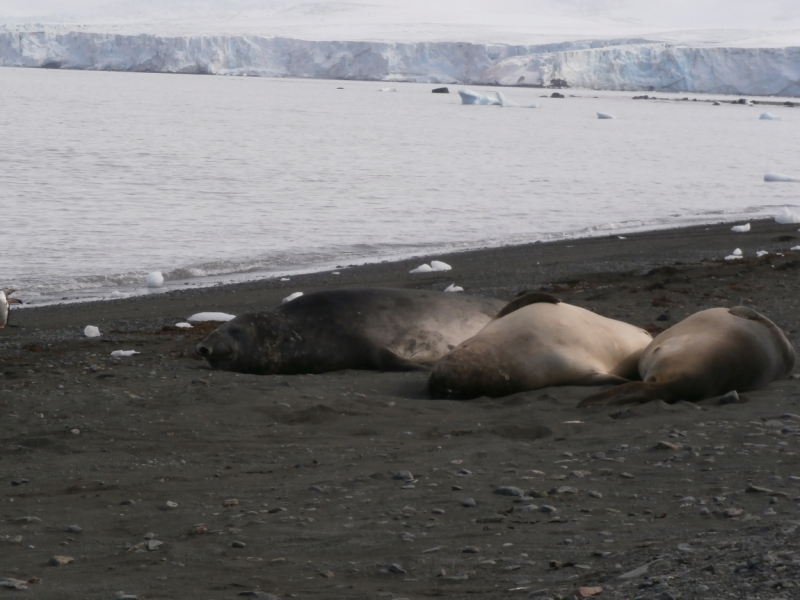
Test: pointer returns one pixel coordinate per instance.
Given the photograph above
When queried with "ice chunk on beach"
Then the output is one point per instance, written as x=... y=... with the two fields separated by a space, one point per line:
x=423 y=268
x=761 y=253
x=741 y=228
x=91 y=331
x=155 y=279
x=470 y=97
x=291 y=297
x=777 y=177
x=737 y=252
x=602 y=115
x=454 y=288
x=210 y=316
x=183 y=325
x=122 y=353
x=736 y=255
x=437 y=265
x=285 y=279
x=501 y=97
x=795 y=248
x=787 y=215
x=768 y=116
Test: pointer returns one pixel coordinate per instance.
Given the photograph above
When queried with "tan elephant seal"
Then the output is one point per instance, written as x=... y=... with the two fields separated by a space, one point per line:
x=380 y=329
x=707 y=354
x=537 y=341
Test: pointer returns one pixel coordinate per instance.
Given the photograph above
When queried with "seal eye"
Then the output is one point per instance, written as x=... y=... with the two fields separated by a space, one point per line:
x=235 y=332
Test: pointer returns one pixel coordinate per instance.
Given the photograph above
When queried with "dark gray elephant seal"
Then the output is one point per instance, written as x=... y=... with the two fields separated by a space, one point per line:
x=537 y=341
x=380 y=329
x=707 y=354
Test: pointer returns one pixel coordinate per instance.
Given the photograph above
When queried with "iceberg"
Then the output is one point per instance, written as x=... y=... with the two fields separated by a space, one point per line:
x=470 y=97
x=741 y=228
x=777 y=177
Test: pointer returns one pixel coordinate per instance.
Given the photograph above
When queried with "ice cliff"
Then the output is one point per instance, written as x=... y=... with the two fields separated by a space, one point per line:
x=614 y=64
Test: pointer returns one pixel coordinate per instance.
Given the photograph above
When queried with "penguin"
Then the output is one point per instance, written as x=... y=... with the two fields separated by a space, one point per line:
x=5 y=301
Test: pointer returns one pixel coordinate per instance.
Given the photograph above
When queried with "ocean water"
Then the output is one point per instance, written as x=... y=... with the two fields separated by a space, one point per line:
x=105 y=177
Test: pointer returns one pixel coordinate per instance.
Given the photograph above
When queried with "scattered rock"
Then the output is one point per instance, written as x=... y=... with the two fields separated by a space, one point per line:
x=59 y=561
x=468 y=503
x=509 y=491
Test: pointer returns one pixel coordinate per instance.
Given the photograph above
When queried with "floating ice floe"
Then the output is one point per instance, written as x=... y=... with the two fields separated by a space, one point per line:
x=183 y=325
x=210 y=316
x=741 y=228
x=768 y=116
x=155 y=279
x=777 y=177
x=761 y=253
x=602 y=115
x=91 y=331
x=122 y=353
x=787 y=215
x=736 y=255
x=454 y=288
x=470 y=97
x=387 y=89
x=291 y=297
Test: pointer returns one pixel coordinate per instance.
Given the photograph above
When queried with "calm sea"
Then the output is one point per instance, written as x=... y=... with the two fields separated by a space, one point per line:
x=105 y=177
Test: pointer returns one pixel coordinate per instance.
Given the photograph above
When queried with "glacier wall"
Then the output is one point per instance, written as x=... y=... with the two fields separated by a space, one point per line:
x=432 y=62
x=621 y=64
x=660 y=67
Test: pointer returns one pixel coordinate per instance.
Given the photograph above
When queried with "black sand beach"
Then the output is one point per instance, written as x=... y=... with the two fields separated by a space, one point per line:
x=184 y=482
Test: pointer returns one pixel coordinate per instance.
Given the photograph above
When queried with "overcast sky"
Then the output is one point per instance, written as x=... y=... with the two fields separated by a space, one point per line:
x=419 y=18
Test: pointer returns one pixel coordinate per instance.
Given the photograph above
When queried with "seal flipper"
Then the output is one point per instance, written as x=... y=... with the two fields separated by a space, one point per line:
x=522 y=301
x=635 y=392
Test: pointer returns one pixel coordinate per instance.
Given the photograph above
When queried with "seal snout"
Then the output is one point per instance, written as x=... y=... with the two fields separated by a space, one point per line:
x=203 y=350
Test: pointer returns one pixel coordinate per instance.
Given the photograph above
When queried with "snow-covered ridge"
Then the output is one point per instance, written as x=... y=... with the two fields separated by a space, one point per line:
x=612 y=64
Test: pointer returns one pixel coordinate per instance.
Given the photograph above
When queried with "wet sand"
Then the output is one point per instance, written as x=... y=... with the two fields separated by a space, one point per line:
x=190 y=483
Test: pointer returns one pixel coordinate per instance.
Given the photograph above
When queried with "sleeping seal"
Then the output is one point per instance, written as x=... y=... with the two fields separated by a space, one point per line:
x=537 y=341
x=707 y=354
x=382 y=329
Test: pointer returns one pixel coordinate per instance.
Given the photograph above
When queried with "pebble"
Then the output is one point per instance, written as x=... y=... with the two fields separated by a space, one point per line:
x=154 y=544
x=230 y=502
x=639 y=571
x=396 y=568
x=468 y=503
x=731 y=397
x=406 y=475
x=74 y=529
x=626 y=475
x=127 y=502
x=59 y=561
x=662 y=445
x=124 y=596
x=170 y=504
x=595 y=494
x=565 y=489
x=327 y=574
x=13 y=584
x=470 y=550
x=27 y=520
x=588 y=592
x=237 y=544
x=432 y=550
x=546 y=508
x=316 y=488
x=509 y=491
x=438 y=511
